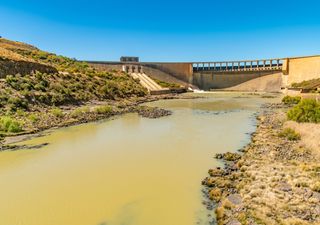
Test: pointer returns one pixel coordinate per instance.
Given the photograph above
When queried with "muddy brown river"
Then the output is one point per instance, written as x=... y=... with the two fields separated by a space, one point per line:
x=127 y=170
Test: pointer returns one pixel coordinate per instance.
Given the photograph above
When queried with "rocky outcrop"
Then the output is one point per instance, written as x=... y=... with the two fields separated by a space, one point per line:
x=152 y=112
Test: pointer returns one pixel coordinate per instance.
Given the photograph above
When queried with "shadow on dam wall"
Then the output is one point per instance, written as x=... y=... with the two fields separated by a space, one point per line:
x=242 y=81
x=265 y=79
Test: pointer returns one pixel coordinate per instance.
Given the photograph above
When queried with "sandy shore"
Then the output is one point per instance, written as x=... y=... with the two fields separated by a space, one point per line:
x=274 y=181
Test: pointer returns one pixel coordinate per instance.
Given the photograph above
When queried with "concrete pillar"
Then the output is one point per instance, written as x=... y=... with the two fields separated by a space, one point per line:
x=264 y=64
x=251 y=65
x=285 y=66
x=232 y=65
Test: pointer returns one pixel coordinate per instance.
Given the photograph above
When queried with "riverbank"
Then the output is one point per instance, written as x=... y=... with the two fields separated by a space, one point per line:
x=49 y=118
x=275 y=181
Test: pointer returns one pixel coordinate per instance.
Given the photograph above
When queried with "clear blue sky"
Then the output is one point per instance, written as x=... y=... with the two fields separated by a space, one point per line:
x=165 y=30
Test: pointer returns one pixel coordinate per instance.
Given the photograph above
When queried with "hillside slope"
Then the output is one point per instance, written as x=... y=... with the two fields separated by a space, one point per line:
x=35 y=82
x=63 y=80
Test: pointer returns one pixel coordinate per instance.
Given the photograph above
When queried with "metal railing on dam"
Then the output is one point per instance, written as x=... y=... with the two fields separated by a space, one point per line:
x=234 y=66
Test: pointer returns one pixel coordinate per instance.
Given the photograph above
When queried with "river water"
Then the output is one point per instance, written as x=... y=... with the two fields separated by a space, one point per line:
x=127 y=170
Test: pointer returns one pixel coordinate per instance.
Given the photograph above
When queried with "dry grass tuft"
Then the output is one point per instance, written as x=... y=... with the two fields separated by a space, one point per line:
x=310 y=133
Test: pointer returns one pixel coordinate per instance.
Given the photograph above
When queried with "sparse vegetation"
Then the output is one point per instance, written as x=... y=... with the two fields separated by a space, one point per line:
x=290 y=134
x=308 y=84
x=308 y=110
x=79 y=112
x=33 y=118
x=103 y=109
x=291 y=100
x=59 y=89
x=165 y=84
x=75 y=83
x=34 y=99
x=57 y=112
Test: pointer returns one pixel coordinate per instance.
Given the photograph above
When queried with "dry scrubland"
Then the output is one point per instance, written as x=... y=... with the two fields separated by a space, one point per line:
x=68 y=92
x=277 y=178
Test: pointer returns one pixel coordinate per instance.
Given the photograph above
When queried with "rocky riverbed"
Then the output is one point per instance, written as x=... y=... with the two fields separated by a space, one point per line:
x=271 y=181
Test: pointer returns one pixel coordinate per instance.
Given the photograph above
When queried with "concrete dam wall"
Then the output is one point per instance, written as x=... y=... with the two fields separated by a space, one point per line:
x=251 y=75
x=302 y=68
x=241 y=81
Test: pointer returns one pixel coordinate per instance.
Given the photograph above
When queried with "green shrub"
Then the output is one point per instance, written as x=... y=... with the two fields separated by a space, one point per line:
x=308 y=110
x=16 y=103
x=8 y=124
x=57 y=112
x=290 y=134
x=103 y=109
x=79 y=112
x=291 y=100
x=33 y=118
x=20 y=112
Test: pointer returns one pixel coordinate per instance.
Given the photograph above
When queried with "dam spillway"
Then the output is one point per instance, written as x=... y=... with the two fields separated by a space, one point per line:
x=245 y=75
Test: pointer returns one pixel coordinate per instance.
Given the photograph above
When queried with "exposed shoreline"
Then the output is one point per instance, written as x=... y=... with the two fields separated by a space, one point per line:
x=118 y=108
x=274 y=181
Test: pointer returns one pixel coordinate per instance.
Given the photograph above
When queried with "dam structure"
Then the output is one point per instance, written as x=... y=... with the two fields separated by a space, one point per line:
x=137 y=72
x=270 y=75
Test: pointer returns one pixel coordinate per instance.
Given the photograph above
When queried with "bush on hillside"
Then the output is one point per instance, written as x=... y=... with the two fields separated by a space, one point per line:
x=8 y=124
x=78 y=112
x=16 y=103
x=57 y=112
x=103 y=109
x=33 y=118
x=308 y=110
x=64 y=88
